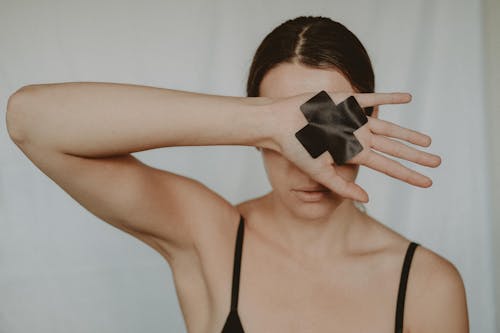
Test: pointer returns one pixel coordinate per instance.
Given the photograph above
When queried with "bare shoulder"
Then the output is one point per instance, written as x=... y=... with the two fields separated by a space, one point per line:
x=436 y=297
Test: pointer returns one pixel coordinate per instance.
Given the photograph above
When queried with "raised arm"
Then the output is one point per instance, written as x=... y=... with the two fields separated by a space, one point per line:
x=93 y=119
x=81 y=134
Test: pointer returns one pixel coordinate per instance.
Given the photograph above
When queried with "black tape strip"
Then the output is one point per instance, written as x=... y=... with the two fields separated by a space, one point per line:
x=331 y=127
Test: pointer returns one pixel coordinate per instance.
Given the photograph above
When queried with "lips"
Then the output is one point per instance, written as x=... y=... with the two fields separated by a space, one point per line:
x=312 y=189
x=304 y=195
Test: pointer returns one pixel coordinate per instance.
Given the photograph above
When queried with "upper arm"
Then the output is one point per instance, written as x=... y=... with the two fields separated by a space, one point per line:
x=442 y=304
x=165 y=210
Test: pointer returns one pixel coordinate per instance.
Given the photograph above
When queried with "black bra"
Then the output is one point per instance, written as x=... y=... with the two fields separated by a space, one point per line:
x=233 y=323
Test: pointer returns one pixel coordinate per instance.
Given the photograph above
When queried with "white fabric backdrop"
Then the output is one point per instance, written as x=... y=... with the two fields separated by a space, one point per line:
x=64 y=270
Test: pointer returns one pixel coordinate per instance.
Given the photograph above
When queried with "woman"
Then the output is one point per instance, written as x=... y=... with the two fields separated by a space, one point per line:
x=309 y=262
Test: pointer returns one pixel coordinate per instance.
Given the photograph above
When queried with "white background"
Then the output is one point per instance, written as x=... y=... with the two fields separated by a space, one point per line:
x=64 y=270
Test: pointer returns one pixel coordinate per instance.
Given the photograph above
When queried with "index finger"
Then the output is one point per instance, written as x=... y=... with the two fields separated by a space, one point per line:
x=372 y=99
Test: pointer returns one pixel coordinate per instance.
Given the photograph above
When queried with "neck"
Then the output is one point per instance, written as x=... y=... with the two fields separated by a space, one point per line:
x=315 y=238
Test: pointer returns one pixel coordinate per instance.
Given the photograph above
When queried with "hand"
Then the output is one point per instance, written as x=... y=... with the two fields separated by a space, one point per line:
x=288 y=119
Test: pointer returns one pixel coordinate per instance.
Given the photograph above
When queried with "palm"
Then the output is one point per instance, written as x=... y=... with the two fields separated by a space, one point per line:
x=373 y=136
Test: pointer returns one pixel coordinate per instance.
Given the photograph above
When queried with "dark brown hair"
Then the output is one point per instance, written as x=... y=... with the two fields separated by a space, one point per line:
x=317 y=42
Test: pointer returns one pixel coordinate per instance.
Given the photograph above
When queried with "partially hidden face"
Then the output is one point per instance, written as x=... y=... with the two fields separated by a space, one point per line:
x=289 y=79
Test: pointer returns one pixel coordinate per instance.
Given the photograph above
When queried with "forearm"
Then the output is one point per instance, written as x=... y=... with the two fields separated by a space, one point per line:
x=102 y=119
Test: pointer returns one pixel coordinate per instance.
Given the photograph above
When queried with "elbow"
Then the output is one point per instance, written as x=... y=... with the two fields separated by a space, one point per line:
x=17 y=107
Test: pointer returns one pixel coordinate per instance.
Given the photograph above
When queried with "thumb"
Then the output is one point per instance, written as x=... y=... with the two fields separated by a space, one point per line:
x=331 y=179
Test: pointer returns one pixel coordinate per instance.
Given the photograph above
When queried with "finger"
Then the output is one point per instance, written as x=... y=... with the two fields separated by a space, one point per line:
x=396 y=170
x=398 y=149
x=337 y=184
x=372 y=99
x=382 y=127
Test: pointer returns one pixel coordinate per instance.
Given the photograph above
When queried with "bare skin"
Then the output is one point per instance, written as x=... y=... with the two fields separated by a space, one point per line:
x=306 y=267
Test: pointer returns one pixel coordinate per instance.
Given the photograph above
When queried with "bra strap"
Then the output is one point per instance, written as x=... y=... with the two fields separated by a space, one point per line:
x=402 y=286
x=237 y=265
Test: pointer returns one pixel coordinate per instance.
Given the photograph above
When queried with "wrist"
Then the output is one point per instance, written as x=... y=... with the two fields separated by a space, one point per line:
x=266 y=122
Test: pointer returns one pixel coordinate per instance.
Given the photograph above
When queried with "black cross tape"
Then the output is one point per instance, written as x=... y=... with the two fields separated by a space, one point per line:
x=331 y=127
